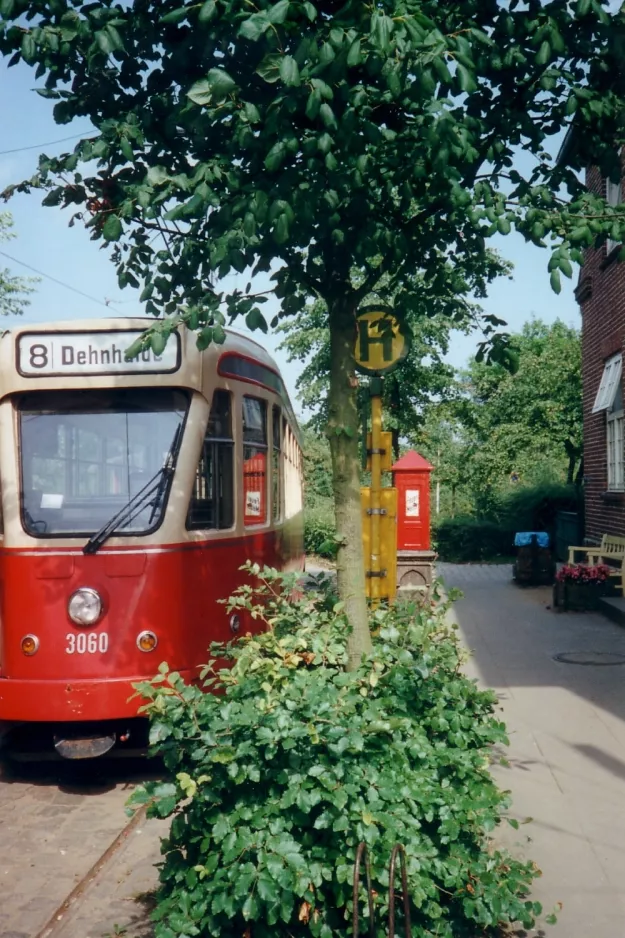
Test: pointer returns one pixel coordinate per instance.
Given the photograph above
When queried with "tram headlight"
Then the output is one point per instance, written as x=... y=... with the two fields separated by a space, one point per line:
x=85 y=606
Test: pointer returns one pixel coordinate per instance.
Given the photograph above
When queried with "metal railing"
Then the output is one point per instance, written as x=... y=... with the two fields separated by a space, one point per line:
x=397 y=851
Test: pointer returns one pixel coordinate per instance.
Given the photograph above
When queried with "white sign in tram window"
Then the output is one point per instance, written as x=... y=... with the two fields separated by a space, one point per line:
x=412 y=503
x=252 y=504
x=91 y=353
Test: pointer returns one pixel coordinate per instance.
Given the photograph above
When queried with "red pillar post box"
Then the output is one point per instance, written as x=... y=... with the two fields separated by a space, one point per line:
x=415 y=557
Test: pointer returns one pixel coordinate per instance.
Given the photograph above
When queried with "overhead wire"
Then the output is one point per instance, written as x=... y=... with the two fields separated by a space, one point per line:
x=107 y=304
x=37 y=146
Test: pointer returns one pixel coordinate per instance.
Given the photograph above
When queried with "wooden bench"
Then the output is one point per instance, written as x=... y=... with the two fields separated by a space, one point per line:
x=611 y=552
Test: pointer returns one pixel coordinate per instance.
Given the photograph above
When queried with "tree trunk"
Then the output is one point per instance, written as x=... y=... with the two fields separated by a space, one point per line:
x=343 y=434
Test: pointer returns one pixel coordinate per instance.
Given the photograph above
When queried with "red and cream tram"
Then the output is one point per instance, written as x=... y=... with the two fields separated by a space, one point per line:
x=131 y=493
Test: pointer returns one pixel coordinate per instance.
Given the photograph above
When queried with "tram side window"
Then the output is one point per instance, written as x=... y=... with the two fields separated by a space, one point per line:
x=212 y=500
x=276 y=468
x=254 y=461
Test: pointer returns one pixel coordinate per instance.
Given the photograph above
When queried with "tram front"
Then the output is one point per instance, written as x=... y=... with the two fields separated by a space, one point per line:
x=89 y=445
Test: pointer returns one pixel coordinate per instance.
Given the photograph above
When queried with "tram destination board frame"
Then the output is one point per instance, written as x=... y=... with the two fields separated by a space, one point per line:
x=37 y=351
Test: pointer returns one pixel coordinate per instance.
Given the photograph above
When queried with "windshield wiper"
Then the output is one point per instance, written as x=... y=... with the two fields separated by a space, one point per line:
x=150 y=495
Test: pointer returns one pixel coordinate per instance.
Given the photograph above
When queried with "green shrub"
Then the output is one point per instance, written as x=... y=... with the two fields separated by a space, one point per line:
x=466 y=540
x=320 y=532
x=273 y=781
x=534 y=508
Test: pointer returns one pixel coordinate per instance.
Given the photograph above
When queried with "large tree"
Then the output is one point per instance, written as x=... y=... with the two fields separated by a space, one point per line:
x=14 y=290
x=314 y=139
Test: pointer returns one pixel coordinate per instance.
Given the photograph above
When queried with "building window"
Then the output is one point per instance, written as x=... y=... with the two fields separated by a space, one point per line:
x=254 y=461
x=614 y=197
x=610 y=384
x=212 y=500
x=616 y=459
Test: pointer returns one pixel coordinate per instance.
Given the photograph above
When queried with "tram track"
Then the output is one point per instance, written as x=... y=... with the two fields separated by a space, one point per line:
x=57 y=920
x=70 y=853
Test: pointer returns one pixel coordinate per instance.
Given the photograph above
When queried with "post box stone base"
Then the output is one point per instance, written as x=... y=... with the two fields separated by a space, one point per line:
x=415 y=572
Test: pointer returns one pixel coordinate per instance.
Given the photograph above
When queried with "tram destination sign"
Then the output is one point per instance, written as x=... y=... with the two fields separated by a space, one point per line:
x=91 y=353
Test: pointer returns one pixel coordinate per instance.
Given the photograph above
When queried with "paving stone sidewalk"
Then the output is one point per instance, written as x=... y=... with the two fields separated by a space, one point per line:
x=567 y=733
x=54 y=825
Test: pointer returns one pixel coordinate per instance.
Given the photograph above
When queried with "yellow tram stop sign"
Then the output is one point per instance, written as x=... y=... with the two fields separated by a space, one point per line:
x=382 y=341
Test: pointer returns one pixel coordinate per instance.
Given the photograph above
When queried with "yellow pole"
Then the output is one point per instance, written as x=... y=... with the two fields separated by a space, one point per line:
x=376 y=486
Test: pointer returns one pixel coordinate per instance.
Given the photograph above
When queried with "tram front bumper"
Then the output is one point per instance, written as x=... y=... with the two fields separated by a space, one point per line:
x=40 y=701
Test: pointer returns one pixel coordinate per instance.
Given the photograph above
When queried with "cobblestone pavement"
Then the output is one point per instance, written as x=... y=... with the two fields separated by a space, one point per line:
x=54 y=825
x=120 y=899
x=566 y=725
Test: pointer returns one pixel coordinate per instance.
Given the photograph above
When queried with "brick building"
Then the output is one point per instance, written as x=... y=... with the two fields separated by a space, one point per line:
x=601 y=296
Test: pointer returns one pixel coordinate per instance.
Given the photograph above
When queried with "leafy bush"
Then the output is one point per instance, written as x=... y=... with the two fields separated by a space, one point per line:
x=463 y=540
x=469 y=539
x=275 y=778
x=320 y=533
x=534 y=508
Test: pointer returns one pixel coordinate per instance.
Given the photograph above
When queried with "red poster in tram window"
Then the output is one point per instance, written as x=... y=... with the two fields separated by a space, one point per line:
x=255 y=489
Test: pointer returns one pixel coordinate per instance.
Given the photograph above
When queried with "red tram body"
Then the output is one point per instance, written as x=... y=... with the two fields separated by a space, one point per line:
x=131 y=494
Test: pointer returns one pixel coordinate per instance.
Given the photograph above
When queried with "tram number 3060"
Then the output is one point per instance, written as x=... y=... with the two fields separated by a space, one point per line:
x=86 y=643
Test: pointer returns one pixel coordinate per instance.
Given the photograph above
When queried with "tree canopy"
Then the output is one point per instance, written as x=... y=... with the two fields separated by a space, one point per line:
x=309 y=140
x=14 y=290
x=528 y=422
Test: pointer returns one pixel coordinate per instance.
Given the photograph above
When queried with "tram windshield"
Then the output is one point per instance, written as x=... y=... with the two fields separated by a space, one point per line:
x=84 y=454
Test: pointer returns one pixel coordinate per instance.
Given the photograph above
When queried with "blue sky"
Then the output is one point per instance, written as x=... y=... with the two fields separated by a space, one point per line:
x=45 y=241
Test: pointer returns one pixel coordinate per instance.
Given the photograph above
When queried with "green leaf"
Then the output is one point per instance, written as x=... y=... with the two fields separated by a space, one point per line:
x=583 y=8
x=281 y=229
x=381 y=30
x=353 y=56
x=544 y=53
x=313 y=104
x=114 y=38
x=219 y=335
x=325 y=143
x=28 y=47
x=126 y=147
x=175 y=16
x=254 y=27
x=7 y=8
x=556 y=285
x=275 y=157
x=269 y=68
x=279 y=11
x=200 y=93
x=327 y=116
x=503 y=225
x=207 y=11
x=112 y=228
x=466 y=79
x=251 y=112
x=571 y=105
x=221 y=83
x=256 y=320
x=212 y=89
x=158 y=341
x=311 y=11
x=289 y=71
x=566 y=267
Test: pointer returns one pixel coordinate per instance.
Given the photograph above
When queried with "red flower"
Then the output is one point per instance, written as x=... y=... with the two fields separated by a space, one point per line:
x=583 y=573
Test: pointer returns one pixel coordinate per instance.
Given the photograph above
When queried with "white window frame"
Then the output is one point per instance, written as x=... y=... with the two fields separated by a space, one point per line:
x=614 y=197
x=616 y=453
x=610 y=382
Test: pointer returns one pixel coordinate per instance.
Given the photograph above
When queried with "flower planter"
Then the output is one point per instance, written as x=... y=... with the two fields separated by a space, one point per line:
x=577 y=597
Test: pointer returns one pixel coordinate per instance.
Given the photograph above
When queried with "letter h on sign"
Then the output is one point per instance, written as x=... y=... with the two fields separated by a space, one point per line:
x=365 y=339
